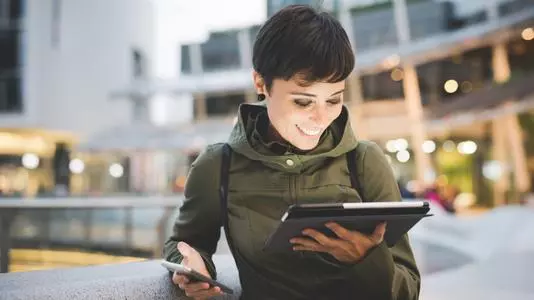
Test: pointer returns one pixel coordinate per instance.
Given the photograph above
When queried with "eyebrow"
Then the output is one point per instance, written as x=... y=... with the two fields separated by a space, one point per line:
x=313 y=95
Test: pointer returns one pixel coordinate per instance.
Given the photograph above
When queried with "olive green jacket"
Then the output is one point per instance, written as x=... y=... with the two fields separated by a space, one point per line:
x=262 y=184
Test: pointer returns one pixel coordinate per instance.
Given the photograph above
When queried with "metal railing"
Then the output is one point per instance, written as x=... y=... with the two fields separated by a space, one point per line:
x=118 y=225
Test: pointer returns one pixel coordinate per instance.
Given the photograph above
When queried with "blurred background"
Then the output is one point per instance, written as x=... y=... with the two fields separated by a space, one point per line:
x=104 y=104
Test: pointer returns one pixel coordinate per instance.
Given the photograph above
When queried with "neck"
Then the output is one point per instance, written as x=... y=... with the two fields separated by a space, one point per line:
x=274 y=136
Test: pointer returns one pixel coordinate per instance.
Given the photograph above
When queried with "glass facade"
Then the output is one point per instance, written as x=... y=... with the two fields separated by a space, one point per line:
x=253 y=34
x=221 y=51
x=467 y=72
x=185 y=59
x=275 y=5
x=374 y=26
x=514 y=6
x=382 y=86
x=223 y=105
x=10 y=58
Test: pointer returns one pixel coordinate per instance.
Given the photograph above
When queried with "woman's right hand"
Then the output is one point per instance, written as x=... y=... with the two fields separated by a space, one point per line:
x=193 y=260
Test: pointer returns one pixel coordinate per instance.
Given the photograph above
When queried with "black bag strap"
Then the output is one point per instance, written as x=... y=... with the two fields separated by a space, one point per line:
x=353 y=173
x=223 y=193
x=223 y=190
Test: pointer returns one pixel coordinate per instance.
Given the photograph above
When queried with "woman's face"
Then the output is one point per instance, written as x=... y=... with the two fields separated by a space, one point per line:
x=300 y=114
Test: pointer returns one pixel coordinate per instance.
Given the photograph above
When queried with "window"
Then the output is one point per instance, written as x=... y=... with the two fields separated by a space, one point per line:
x=275 y=5
x=253 y=33
x=56 y=23
x=470 y=70
x=10 y=83
x=221 y=51
x=223 y=105
x=10 y=9
x=381 y=87
x=514 y=6
x=427 y=19
x=15 y=9
x=185 y=59
x=373 y=29
x=9 y=49
x=138 y=64
x=10 y=95
x=520 y=53
x=374 y=25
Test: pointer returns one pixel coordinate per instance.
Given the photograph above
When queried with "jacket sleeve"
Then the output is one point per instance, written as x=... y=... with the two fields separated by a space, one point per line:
x=396 y=275
x=198 y=222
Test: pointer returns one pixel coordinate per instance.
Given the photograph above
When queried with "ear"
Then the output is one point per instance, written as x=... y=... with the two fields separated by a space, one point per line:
x=259 y=84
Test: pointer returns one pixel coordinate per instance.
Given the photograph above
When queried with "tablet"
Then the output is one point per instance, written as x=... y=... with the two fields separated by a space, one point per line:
x=194 y=276
x=358 y=216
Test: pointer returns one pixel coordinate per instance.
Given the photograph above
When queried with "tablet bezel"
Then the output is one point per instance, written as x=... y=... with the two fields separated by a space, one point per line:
x=309 y=210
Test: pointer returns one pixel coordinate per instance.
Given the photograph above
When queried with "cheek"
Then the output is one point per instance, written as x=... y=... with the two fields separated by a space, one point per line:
x=297 y=117
x=285 y=115
x=334 y=113
x=280 y=117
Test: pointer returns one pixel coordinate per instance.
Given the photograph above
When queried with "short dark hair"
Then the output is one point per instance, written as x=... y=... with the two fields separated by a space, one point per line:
x=298 y=40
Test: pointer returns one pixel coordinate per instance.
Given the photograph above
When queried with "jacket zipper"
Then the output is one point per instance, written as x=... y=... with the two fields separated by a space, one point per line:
x=293 y=189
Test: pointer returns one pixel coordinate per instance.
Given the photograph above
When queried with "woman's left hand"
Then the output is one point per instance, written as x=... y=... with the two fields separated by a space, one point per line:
x=348 y=247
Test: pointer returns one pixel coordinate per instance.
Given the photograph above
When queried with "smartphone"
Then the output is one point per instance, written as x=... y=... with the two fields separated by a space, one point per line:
x=194 y=276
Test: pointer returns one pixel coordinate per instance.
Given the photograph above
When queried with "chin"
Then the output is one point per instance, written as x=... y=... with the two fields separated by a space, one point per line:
x=305 y=146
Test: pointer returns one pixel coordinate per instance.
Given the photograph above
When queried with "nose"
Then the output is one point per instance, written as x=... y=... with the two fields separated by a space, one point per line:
x=319 y=115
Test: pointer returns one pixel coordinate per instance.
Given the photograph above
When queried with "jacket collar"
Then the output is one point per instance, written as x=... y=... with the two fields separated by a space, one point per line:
x=248 y=138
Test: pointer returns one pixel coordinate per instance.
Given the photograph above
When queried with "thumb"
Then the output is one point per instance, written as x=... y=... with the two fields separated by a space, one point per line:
x=378 y=234
x=184 y=249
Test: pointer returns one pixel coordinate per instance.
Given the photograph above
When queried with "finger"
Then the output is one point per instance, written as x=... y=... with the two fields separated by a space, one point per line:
x=310 y=249
x=206 y=294
x=179 y=279
x=196 y=287
x=184 y=249
x=378 y=233
x=341 y=231
x=319 y=237
x=304 y=242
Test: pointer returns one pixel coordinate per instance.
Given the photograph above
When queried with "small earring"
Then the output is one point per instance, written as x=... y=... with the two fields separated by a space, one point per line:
x=261 y=97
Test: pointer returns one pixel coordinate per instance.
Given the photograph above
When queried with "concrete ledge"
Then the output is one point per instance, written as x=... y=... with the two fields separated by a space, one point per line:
x=139 y=280
x=506 y=275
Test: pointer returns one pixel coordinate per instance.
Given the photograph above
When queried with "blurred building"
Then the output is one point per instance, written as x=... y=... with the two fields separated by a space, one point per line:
x=60 y=63
x=443 y=86
x=275 y=5
x=432 y=78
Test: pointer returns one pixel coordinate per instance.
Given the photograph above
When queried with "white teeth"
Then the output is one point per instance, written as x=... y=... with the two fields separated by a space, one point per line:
x=310 y=132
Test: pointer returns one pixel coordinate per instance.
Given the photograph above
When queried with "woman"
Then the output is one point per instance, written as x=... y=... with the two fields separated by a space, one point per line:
x=292 y=148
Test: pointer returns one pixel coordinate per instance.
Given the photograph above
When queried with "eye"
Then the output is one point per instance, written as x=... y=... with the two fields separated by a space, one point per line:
x=334 y=101
x=303 y=102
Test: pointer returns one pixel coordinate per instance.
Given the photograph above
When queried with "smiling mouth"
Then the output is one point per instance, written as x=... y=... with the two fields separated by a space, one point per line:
x=310 y=132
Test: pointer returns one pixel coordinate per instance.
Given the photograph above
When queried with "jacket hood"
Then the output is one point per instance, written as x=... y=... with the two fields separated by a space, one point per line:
x=242 y=140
